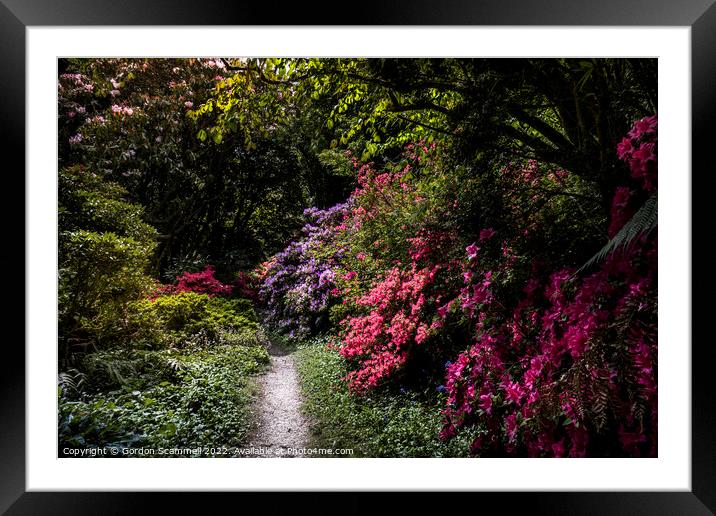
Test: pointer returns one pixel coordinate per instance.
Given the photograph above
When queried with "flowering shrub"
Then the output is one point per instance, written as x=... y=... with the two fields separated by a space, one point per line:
x=385 y=210
x=131 y=120
x=572 y=370
x=202 y=282
x=575 y=360
x=299 y=281
x=403 y=310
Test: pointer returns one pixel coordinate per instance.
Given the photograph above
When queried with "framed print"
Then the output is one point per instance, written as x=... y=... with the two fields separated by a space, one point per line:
x=413 y=250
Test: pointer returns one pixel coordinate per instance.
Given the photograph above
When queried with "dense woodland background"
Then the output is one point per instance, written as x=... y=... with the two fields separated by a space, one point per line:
x=462 y=252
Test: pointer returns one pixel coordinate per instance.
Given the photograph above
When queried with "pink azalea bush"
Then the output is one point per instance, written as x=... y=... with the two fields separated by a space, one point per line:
x=400 y=314
x=547 y=378
x=574 y=365
x=202 y=282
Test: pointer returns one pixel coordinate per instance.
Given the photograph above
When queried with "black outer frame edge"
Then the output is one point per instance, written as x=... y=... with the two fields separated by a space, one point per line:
x=533 y=503
x=12 y=144
x=703 y=397
x=368 y=12
x=701 y=14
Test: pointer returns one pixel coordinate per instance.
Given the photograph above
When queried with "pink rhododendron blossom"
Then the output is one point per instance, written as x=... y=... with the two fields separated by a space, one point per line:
x=639 y=150
x=511 y=426
x=421 y=334
x=122 y=110
x=513 y=392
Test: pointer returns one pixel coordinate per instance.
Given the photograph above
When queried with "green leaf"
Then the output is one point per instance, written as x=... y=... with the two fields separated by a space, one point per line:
x=169 y=429
x=642 y=222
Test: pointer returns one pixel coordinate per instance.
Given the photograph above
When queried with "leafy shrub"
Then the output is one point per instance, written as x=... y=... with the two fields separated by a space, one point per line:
x=171 y=318
x=104 y=252
x=572 y=371
x=113 y=369
x=244 y=337
x=91 y=425
x=100 y=275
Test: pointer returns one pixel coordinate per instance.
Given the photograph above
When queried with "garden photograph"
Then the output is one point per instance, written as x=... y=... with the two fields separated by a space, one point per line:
x=357 y=257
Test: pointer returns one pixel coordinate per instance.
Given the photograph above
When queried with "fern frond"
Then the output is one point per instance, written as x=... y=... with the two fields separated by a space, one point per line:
x=176 y=365
x=71 y=381
x=642 y=222
x=600 y=403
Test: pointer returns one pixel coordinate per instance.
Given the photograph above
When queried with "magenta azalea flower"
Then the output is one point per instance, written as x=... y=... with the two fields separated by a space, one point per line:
x=443 y=311
x=624 y=148
x=485 y=403
x=472 y=250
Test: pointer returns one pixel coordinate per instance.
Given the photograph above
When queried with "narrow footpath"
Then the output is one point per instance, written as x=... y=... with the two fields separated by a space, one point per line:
x=281 y=426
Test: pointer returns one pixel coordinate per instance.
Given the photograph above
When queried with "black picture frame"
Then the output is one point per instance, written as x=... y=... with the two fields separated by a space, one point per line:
x=16 y=15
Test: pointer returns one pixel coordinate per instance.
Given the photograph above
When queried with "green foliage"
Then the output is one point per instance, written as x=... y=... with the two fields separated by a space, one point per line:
x=119 y=368
x=71 y=382
x=174 y=319
x=101 y=268
x=244 y=337
x=104 y=254
x=337 y=162
x=156 y=403
x=89 y=202
x=245 y=102
x=225 y=153
x=384 y=424
x=542 y=108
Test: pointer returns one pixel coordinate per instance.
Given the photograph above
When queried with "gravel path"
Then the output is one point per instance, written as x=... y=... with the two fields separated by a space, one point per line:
x=281 y=425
